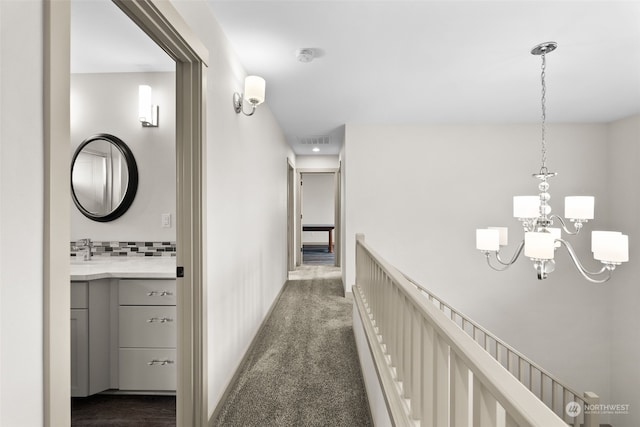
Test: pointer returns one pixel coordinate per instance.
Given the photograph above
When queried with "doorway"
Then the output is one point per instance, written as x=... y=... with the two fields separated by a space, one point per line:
x=318 y=210
x=111 y=58
x=291 y=252
x=161 y=22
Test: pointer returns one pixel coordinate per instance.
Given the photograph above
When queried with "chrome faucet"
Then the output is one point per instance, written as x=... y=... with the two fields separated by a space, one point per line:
x=83 y=246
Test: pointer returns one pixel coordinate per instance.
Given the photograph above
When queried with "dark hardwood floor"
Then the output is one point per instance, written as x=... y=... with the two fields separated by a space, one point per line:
x=317 y=255
x=123 y=411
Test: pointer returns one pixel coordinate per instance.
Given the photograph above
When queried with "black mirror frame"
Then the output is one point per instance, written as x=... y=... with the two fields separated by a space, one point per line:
x=132 y=186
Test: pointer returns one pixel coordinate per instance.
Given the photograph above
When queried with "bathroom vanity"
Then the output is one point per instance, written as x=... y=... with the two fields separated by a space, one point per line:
x=123 y=325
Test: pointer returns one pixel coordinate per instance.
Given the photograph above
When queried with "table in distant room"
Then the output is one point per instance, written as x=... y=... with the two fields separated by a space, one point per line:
x=321 y=227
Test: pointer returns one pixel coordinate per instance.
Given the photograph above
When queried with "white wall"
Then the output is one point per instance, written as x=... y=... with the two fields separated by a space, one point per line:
x=318 y=205
x=439 y=183
x=317 y=162
x=246 y=229
x=624 y=159
x=246 y=223
x=108 y=103
x=21 y=214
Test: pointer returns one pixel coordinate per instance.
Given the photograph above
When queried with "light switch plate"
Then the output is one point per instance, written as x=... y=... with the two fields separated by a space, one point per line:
x=165 y=220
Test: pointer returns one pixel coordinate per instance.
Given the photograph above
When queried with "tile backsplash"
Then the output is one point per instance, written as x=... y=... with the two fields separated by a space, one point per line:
x=136 y=249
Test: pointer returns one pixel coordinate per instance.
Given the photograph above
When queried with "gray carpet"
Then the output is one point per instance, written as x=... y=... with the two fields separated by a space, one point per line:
x=303 y=369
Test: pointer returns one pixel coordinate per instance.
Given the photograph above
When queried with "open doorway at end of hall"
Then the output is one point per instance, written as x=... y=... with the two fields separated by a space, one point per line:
x=319 y=217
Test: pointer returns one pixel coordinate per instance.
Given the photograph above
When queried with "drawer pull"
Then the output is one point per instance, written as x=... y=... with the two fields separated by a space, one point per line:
x=162 y=294
x=160 y=320
x=156 y=362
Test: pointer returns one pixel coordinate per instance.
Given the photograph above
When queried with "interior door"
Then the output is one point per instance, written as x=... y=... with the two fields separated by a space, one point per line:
x=299 y=217
x=291 y=179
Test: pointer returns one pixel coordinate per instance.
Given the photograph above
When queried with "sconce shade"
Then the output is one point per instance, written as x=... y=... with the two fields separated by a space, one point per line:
x=503 y=233
x=578 y=207
x=487 y=239
x=610 y=246
x=557 y=234
x=144 y=100
x=526 y=206
x=538 y=245
x=147 y=112
x=254 y=89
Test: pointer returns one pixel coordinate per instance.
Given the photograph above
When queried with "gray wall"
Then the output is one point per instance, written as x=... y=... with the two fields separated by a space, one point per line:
x=108 y=103
x=623 y=162
x=21 y=214
x=246 y=206
x=246 y=229
x=440 y=183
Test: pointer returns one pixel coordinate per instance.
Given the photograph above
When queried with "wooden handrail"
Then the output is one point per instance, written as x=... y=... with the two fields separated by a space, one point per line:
x=566 y=392
x=431 y=371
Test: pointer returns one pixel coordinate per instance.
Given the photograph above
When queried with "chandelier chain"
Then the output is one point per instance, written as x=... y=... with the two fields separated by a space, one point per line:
x=543 y=168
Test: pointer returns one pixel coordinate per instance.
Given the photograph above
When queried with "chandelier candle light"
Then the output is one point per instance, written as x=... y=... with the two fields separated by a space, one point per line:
x=540 y=241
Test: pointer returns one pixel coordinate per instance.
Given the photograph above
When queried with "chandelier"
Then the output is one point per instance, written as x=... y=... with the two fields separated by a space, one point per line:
x=541 y=240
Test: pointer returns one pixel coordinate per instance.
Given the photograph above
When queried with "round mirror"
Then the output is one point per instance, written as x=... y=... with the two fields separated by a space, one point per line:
x=104 y=177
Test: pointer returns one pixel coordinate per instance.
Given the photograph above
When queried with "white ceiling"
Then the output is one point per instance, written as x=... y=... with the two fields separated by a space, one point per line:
x=403 y=62
x=105 y=40
x=415 y=62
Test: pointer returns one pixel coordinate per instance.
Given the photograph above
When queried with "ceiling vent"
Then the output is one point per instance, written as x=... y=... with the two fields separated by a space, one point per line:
x=315 y=140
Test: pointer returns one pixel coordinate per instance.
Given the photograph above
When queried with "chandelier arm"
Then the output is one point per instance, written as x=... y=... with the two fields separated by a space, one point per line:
x=487 y=254
x=563 y=223
x=586 y=273
x=515 y=256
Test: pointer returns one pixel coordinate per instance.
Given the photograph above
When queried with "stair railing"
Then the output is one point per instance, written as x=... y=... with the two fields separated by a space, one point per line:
x=433 y=373
x=556 y=395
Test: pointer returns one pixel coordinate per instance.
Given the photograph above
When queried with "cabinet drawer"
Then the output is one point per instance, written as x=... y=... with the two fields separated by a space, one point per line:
x=79 y=295
x=147 y=292
x=147 y=326
x=147 y=369
x=79 y=352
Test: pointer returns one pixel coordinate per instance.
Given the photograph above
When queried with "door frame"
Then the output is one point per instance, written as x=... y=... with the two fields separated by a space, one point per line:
x=163 y=24
x=337 y=232
x=291 y=252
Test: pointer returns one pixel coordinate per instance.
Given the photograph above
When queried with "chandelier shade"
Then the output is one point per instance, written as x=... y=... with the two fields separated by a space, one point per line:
x=541 y=240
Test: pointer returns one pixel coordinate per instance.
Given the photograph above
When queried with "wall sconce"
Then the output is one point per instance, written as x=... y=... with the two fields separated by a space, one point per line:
x=254 y=88
x=147 y=112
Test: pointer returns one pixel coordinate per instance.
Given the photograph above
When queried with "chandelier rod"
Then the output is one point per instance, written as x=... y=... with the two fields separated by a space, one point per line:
x=543 y=168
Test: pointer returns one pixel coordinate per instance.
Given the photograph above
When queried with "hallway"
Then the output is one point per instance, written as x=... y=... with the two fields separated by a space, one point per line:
x=303 y=367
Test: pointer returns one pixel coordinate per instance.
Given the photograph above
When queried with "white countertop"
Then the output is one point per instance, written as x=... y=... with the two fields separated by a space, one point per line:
x=124 y=268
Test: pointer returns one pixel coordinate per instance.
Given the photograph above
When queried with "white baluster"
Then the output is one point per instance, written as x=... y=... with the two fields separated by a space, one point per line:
x=393 y=320
x=459 y=392
x=428 y=375
x=400 y=334
x=591 y=418
x=442 y=381
x=509 y=421
x=408 y=352
x=484 y=406
x=416 y=359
